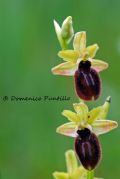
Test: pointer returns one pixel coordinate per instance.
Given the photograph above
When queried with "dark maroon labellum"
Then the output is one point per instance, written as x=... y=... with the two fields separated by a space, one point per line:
x=87 y=81
x=88 y=148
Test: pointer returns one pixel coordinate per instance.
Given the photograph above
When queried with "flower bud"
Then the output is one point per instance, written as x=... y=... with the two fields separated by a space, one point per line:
x=87 y=81
x=67 y=31
x=88 y=148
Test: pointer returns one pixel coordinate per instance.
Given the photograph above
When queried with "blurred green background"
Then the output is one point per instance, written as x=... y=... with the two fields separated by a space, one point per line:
x=29 y=146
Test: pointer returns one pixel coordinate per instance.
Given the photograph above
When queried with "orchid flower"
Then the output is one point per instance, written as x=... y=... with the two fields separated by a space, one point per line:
x=94 y=120
x=73 y=170
x=73 y=57
x=80 y=64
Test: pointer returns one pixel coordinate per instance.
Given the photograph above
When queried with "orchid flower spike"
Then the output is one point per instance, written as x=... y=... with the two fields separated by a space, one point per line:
x=73 y=170
x=81 y=64
x=94 y=120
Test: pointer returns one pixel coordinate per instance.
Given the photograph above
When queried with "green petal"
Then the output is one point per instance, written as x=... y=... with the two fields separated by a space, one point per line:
x=67 y=69
x=99 y=65
x=58 y=32
x=94 y=114
x=69 y=55
x=99 y=112
x=81 y=109
x=71 y=161
x=103 y=126
x=73 y=117
x=80 y=173
x=67 y=31
x=79 y=42
x=60 y=175
x=68 y=129
x=105 y=108
x=92 y=50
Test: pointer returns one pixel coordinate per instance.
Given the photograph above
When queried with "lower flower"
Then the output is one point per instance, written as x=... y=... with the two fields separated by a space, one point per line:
x=73 y=170
x=94 y=120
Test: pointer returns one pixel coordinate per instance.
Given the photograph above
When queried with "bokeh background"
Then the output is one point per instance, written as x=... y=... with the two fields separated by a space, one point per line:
x=29 y=146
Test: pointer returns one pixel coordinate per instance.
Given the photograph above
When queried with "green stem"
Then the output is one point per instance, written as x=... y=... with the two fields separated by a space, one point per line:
x=90 y=174
x=64 y=45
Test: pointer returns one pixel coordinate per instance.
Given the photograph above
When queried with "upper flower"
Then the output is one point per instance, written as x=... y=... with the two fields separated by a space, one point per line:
x=94 y=120
x=72 y=58
x=73 y=170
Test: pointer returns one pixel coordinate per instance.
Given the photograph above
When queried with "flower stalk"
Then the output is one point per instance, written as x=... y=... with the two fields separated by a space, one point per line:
x=90 y=174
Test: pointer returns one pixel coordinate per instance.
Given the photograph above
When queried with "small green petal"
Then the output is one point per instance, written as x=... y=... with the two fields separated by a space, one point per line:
x=94 y=114
x=79 y=42
x=67 y=69
x=60 y=175
x=71 y=161
x=68 y=129
x=67 y=31
x=57 y=28
x=105 y=108
x=81 y=109
x=99 y=112
x=99 y=65
x=103 y=126
x=73 y=117
x=80 y=173
x=58 y=33
x=92 y=50
x=69 y=55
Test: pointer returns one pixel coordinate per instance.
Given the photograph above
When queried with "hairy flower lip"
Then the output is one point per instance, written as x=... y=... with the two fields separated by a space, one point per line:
x=87 y=83
x=88 y=149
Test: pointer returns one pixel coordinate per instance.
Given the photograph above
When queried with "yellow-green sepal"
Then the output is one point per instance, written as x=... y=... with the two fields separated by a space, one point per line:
x=60 y=175
x=69 y=55
x=71 y=116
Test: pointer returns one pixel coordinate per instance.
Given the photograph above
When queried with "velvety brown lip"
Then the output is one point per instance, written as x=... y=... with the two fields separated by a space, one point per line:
x=87 y=82
x=88 y=149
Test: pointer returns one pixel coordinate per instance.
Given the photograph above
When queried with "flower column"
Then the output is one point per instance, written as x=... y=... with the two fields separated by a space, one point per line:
x=85 y=126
